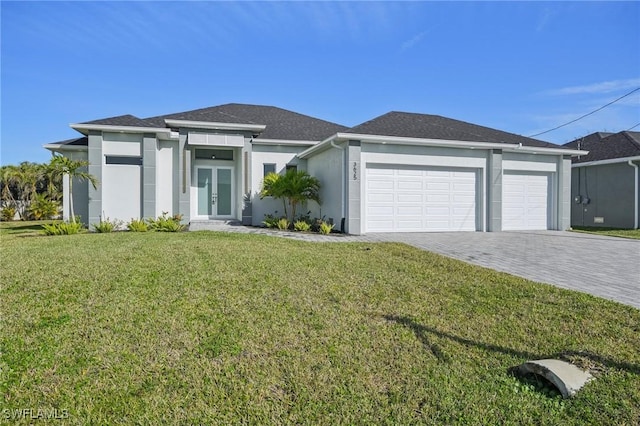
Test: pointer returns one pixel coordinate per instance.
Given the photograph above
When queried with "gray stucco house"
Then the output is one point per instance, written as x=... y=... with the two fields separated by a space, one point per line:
x=400 y=172
x=605 y=184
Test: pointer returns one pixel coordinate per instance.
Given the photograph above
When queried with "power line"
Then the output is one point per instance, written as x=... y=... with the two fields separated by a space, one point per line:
x=633 y=127
x=586 y=115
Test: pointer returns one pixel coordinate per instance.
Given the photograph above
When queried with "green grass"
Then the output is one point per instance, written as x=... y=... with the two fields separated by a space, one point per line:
x=214 y=328
x=612 y=232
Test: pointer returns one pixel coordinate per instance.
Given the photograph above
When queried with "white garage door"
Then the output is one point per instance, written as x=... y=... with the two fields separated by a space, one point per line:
x=525 y=201
x=409 y=199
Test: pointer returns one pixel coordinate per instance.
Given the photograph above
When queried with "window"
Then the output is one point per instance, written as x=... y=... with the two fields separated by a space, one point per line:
x=122 y=159
x=268 y=168
x=292 y=167
x=214 y=154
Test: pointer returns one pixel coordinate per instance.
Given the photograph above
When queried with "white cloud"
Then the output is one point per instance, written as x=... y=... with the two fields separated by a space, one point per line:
x=412 y=41
x=597 y=88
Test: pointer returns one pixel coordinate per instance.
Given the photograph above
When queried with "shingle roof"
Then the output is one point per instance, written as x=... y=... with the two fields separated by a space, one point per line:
x=607 y=146
x=412 y=125
x=123 y=120
x=281 y=123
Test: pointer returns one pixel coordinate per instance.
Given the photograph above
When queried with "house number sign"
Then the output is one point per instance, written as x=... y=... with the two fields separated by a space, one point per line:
x=355 y=170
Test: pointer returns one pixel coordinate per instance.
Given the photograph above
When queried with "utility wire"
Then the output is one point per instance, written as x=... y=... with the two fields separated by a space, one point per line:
x=632 y=127
x=588 y=114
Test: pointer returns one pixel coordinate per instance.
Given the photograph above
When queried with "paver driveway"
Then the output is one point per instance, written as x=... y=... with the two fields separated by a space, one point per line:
x=603 y=266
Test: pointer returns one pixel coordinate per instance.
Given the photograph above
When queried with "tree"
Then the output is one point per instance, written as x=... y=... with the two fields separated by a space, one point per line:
x=73 y=168
x=294 y=187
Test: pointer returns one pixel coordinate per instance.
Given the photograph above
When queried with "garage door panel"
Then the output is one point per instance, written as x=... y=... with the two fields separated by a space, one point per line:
x=525 y=201
x=409 y=211
x=380 y=197
x=379 y=184
x=409 y=185
x=410 y=198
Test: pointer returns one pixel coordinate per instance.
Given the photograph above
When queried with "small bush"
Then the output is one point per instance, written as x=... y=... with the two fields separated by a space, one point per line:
x=43 y=208
x=283 y=224
x=302 y=226
x=7 y=213
x=325 y=228
x=271 y=220
x=105 y=226
x=165 y=223
x=137 y=225
x=62 y=228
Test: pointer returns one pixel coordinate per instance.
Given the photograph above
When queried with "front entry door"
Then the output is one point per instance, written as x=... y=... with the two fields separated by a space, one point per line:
x=215 y=192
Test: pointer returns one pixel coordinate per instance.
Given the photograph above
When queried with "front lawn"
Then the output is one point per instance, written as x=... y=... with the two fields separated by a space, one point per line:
x=215 y=328
x=612 y=232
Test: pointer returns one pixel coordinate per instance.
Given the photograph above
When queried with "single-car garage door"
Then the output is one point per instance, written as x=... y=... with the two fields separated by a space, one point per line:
x=525 y=201
x=414 y=199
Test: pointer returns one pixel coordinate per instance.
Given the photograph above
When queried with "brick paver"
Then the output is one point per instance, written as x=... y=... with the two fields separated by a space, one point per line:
x=608 y=267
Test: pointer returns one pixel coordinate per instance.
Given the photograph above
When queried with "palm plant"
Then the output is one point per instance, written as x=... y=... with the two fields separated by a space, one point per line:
x=294 y=187
x=74 y=169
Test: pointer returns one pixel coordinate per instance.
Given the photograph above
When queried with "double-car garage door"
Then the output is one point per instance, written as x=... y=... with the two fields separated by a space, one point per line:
x=430 y=199
x=415 y=199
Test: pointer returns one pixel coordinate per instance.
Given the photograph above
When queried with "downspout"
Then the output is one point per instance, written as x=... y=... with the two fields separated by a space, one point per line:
x=635 y=194
x=343 y=185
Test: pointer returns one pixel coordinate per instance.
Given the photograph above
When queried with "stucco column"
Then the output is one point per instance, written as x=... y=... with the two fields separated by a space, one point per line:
x=246 y=179
x=149 y=152
x=494 y=190
x=95 y=168
x=184 y=170
x=353 y=176
x=564 y=193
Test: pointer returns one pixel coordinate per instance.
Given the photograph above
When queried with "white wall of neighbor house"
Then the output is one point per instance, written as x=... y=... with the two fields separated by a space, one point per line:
x=328 y=167
x=279 y=155
x=167 y=178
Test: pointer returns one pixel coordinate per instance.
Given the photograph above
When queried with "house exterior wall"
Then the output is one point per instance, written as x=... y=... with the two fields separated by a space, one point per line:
x=328 y=167
x=80 y=191
x=610 y=190
x=167 y=178
x=279 y=155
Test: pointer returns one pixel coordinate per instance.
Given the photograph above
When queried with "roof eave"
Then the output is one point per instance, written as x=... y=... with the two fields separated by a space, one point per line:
x=211 y=125
x=288 y=142
x=400 y=140
x=85 y=128
x=59 y=148
x=607 y=161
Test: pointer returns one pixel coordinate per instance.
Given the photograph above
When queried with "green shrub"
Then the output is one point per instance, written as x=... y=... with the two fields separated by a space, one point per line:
x=325 y=228
x=7 y=213
x=43 y=208
x=271 y=220
x=165 y=223
x=105 y=226
x=302 y=226
x=283 y=224
x=137 y=225
x=62 y=228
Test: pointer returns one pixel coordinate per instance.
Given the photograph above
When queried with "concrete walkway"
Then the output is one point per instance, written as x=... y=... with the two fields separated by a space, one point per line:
x=603 y=266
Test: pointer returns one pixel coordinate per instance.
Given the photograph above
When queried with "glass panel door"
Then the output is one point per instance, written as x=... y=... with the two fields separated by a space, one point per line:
x=205 y=187
x=223 y=198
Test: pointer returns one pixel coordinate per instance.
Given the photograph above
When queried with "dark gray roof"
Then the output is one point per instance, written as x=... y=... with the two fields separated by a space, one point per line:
x=281 y=123
x=412 y=125
x=607 y=146
x=123 y=120
x=83 y=141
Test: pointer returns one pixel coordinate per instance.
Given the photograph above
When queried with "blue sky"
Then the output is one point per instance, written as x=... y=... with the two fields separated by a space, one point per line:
x=522 y=67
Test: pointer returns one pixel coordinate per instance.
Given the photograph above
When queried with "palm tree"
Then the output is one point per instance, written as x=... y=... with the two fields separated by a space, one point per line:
x=273 y=186
x=72 y=168
x=294 y=187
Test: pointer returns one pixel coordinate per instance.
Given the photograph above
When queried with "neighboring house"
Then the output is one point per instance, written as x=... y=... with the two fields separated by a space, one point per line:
x=605 y=185
x=400 y=172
